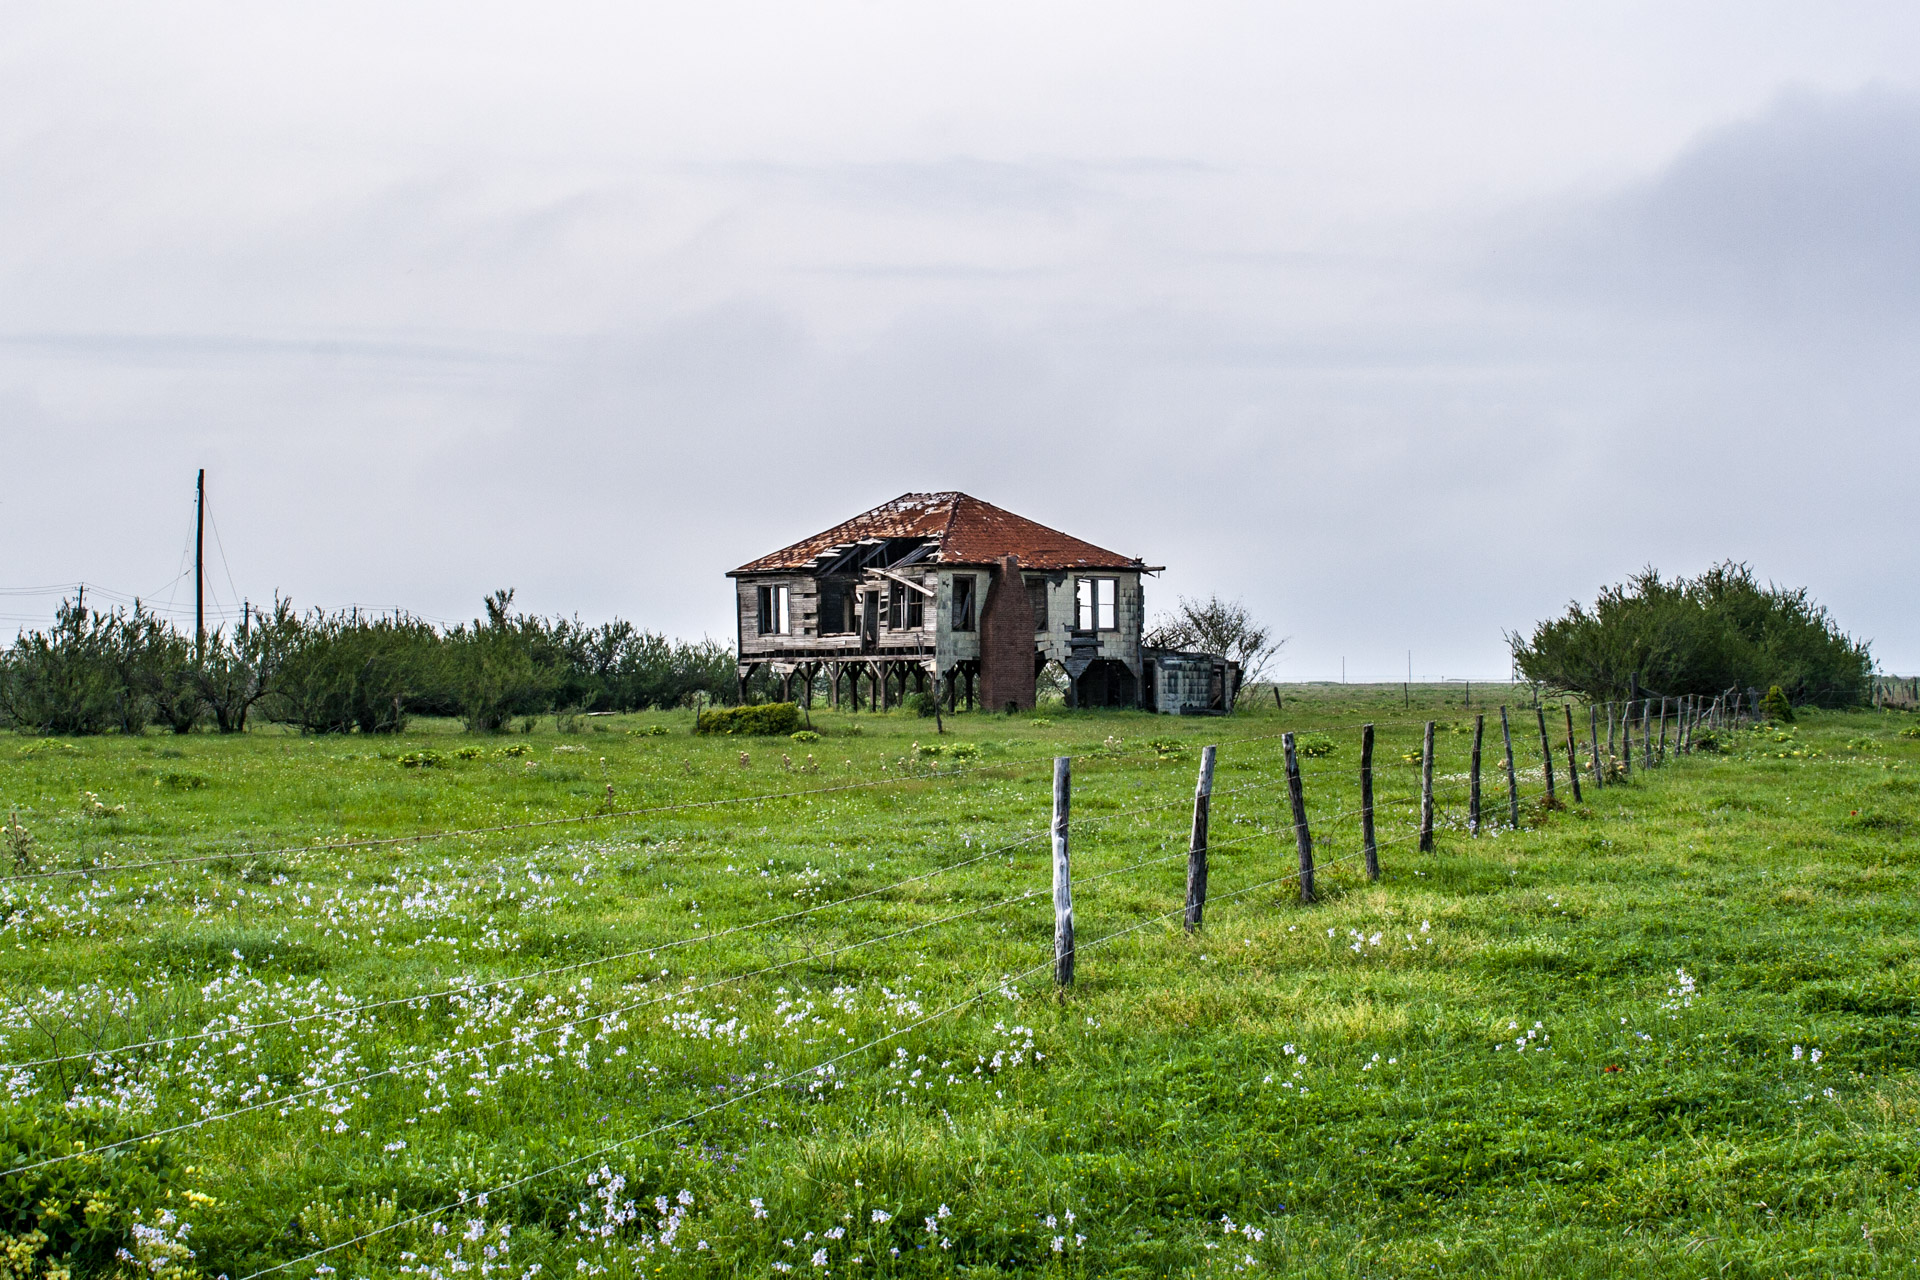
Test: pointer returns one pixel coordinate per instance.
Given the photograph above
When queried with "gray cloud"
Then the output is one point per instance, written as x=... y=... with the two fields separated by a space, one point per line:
x=1802 y=219
x=1392 y=406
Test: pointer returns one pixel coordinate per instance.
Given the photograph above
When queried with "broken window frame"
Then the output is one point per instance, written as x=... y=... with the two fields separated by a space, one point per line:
x=1096 y=604
x=965 y=602
x=905 y=609
x=1037 y=599
x=774 y=607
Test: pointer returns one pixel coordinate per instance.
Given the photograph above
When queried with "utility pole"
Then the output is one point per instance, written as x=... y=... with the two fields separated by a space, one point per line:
x=199 y=566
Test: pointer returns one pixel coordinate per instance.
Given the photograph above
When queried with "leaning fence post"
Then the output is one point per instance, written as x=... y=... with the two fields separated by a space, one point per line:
x=1593 y=733
x=1626 y=742
x=1663 y=730
x=1062 y=874
x=1301 y=836
x=1610 y=739
x=1366 y=802
x=1513 y=783
x=1546 y=754
x=1646 y=735
x=1426 y=791
x=1573 y=753
x=1197 y=847
x=1473 y=776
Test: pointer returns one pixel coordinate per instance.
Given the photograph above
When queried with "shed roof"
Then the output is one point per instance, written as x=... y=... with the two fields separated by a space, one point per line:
x=963 y=530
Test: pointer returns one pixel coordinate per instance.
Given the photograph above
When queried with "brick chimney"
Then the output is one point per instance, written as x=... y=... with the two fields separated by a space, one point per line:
x=1006 y=641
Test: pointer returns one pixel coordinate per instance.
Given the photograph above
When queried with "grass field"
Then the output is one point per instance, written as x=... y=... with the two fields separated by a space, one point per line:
x=1667 y=1031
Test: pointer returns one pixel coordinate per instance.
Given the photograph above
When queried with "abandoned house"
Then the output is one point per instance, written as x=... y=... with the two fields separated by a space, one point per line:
x=944 y=592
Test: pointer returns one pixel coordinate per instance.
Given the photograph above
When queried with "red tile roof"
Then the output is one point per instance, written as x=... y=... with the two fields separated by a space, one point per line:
x=964 y=529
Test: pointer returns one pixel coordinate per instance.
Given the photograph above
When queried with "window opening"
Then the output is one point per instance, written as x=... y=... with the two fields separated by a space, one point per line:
x=1094 y=604
x=905 y=610
x=775 y=618
x=963 y=603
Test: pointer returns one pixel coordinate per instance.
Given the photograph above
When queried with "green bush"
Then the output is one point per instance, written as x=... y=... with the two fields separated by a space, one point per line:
x=1775 y=706
x=947 y=751
x=1701 y=636
x=770 y=719
x=923 y=704
x=1313 y=745
x=80 y=1213
x=805 y=735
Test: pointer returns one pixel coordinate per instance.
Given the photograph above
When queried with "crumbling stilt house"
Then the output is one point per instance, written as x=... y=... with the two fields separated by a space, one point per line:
x=944 y=592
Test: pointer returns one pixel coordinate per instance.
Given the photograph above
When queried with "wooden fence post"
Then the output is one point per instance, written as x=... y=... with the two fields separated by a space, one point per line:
x=1197 y=847
x=1546 y=753
x=1062 y=873
x=1366 y=802
x=1610 y=741
x=1426 y=791
x=1301 y=836
x=1513 y=783
x=1573 y=753
x=1626 y=742
x=1663 y=729
x=1473 y=776
x=1646 y=734
x=1593 y=732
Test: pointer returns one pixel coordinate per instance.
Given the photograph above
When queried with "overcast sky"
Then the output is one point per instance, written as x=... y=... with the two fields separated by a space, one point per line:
x=1405 y=323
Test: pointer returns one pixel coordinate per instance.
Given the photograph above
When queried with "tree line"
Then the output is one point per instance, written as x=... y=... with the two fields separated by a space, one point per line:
x=1721 y=630
x=121 y=670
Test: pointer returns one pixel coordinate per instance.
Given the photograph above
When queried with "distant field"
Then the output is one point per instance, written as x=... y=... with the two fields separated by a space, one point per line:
x=1668 y=1031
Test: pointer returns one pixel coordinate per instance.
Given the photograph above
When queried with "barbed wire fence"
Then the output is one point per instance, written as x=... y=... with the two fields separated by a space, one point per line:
x=1639 y=736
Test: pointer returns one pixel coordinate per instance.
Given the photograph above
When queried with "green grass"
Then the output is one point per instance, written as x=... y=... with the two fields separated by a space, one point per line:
x=1362 y=1105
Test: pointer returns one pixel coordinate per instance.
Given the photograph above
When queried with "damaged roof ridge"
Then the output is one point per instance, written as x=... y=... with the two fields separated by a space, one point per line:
x=963 y=530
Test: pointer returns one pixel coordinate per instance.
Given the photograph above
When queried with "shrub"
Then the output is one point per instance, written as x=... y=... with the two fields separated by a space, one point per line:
x=343 y=672
x=1775 y=705
x=769 y=719
x=923 y=704
x=1165 y=747
x=805 y=735
x=421 y=760
x=947 y=751
x=96 y=673
x=77 y=1214
x=649 y=731
x=1700 y=636
x=1314 y=745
